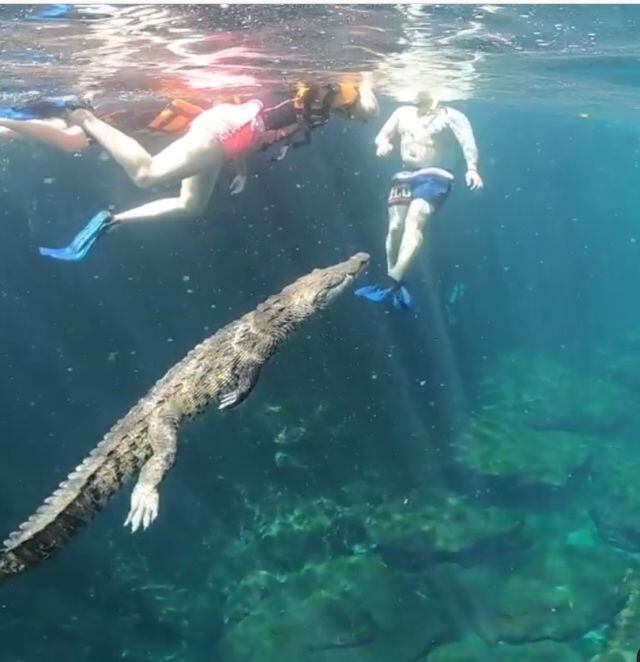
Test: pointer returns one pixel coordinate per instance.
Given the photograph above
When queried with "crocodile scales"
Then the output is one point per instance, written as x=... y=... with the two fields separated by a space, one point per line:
x=223 y=369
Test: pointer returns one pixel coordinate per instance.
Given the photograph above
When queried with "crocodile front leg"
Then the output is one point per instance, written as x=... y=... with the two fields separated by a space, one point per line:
x=163 y=439
x=247 y=379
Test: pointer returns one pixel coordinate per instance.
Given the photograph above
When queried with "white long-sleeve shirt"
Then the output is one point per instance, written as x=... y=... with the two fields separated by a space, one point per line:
x=421 y=136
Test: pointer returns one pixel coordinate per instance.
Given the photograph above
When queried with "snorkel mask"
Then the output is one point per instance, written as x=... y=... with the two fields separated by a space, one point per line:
x=427 y=102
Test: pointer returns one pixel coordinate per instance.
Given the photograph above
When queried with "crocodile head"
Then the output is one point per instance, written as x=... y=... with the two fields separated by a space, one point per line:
x=322 y=286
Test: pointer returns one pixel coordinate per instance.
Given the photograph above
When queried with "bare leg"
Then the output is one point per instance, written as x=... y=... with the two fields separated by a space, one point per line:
x=189 y=155
x=194 y=196
x=412 y=238
x=52 y=132
x=145 y=498
x=397 y=215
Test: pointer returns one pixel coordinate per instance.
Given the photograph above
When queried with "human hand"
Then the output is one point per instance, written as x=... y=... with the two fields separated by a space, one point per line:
x=282 y=152
x=474 y=181
x=384 y=149
x=238 y=184
x=77 y=116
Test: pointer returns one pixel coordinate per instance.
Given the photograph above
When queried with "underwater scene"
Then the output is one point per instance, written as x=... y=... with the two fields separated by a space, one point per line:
x=321 y=335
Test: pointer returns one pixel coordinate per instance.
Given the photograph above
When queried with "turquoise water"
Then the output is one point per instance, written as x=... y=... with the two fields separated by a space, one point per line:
x=455 y=484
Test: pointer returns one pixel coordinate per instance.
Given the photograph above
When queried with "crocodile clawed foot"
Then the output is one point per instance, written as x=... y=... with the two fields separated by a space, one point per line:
x=144 y=507
x=228 y=400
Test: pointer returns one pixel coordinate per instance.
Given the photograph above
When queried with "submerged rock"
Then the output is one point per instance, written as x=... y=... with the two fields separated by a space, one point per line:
x=500 y=444
x=625 y=370
x=614 y=493
x=621 y=361
x=616 y=656
x=548 y=395
x=243 y=596
x=313 y=530
x=475 y=649
x=623 y=637
x=438 y=522
x=557 y=592
x=352 y=609
x=286 y=536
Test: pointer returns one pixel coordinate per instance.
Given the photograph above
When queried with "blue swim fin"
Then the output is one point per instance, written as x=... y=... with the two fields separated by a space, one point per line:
x=52 y=11
x=9 y=113
x=44 y=108
x=83 y=241
x=57 y=106
x=402 y=299
x=375 y=293
x=397 y=292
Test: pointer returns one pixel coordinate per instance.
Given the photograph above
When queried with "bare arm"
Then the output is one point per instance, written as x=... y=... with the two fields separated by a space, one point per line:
x=387 y=133
x=463 y=132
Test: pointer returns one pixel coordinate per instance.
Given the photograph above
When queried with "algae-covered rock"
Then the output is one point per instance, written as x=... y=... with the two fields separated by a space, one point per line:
x=621 y=361
x=625 y=370
x=437 y=522
x=285 y=533
x=315 y=529
x=475 y=649
x=496 y=444
x=558 y=592
x=244 y=595
x=622 y=641
x=471 y=649
x=549 y=395
x=615 y=656
x=352 y=609
x=614 y=494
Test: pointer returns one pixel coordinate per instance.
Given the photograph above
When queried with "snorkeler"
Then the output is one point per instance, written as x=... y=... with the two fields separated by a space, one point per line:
x=289 y=120
x=212 y=135
x=224 y=133
x=418 y=192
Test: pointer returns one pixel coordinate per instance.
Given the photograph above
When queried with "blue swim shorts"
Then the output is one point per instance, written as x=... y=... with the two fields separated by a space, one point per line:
x=430 y=184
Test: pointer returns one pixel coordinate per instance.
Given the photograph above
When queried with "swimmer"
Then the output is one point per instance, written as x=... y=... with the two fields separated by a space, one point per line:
x=37 y=121
x=225 y=133
x=289 y=120
x=419 y=191
x=221 y=134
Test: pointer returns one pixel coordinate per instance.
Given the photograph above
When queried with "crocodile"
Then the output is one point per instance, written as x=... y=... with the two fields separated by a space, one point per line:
x=222 y=370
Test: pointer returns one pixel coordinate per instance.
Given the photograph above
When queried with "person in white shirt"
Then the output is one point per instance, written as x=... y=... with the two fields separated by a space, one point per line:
x=421 y=189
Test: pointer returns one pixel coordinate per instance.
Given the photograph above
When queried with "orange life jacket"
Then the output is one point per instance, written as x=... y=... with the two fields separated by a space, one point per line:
x=175 y=117
x=315 y=102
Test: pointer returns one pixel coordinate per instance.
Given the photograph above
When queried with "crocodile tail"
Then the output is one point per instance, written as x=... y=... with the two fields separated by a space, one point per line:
x=74 y=504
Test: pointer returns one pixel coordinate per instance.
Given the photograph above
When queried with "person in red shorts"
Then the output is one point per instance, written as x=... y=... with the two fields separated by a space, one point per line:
x=224 y=133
